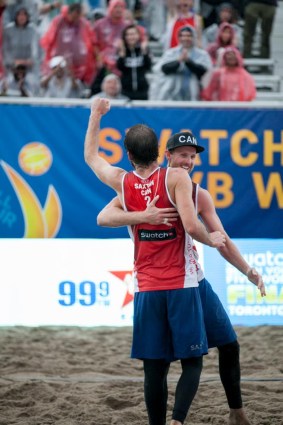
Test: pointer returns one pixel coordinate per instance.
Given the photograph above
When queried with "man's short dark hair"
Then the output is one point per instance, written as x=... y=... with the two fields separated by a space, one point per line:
x=75 y=7
x=141 y=142
x=186 y=28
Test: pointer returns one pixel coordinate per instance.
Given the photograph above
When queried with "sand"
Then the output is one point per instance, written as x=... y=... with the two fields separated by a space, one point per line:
x=73 y=376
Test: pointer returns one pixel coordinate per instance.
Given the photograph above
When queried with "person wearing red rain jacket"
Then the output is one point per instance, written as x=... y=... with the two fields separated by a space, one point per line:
x=230 y=82
x=70 y=35
x=225 y=38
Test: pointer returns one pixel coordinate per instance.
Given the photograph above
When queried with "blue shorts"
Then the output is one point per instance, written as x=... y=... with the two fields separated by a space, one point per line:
x=219 y=329
x=168 y=325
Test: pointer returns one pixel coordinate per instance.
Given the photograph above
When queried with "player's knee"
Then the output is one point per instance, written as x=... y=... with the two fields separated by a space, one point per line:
x=233 y=348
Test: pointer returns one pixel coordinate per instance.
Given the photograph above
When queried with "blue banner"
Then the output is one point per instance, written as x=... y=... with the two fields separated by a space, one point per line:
x=241 y=299
x=47 y=190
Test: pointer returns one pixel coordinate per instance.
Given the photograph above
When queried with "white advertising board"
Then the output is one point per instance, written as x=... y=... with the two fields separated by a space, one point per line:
x=66 y=282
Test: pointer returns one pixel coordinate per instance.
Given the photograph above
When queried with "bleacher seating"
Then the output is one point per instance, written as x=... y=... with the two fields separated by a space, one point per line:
x=255 y=65
x=267 y=96
x=268 y=82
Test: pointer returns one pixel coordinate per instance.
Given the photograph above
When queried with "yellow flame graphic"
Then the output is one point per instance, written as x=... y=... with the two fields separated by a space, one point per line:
x=52 y=212
x=39 y=223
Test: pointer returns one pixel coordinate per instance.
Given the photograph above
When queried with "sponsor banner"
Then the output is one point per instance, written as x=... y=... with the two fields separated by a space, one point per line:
x=84 y=282
x=239 y=296
x=47 y=190
x=80 y=282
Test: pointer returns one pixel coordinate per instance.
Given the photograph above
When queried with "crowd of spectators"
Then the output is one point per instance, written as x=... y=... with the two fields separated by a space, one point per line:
x=72 y=49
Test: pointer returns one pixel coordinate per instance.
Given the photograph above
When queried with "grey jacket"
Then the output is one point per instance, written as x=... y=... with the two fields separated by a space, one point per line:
x=171 y=86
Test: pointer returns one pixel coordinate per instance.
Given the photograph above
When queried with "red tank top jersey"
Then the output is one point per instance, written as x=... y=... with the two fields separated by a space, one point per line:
x=163 y=256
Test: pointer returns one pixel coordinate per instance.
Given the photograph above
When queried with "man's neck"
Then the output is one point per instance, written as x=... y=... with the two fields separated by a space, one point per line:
x=146 y=170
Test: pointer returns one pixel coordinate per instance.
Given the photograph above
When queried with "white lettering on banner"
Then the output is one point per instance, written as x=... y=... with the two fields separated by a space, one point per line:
x=269 y=274
x=256 y=310
x=183 y=139
x=267 y=258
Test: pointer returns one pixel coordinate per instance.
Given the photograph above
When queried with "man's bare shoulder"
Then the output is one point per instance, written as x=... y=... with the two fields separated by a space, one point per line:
x=203 y=193
x=176 y=173
x=205 y=201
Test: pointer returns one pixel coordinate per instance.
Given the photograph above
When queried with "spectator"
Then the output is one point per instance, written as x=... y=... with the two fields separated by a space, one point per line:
x=154 y=18
x=48 y=9
x=21 y=45
x=16 y=83
x=179 y=73
x=225 y=38
x=255 y=11
x=108 y=33
x=184 y=14
x=13 y=5
x=59 y=82
x=226 y=13
x=130 y=20
x=111 y=88
x=208 y=11
x=70 y=35
x=96 y=14
x=230 y=82
x=134 y=62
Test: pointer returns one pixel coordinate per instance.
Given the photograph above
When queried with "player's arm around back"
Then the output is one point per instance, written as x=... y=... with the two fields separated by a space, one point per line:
x=113 y=215
x=209 y=216
x=180 y=188
x=108 y=174
x=229 y=251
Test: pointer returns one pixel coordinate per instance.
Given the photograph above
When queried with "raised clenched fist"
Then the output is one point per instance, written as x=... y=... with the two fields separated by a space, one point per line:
x=100 y=106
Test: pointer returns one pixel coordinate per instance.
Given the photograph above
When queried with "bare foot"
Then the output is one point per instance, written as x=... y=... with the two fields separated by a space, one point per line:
x=173 y=422
x=238 y=417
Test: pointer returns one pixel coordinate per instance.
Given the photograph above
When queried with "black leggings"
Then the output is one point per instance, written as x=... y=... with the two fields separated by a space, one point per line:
x=156 y=391
x=230 y=374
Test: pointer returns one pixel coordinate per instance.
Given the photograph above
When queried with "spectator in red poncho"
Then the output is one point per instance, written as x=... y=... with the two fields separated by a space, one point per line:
x=230 y=82
x=225 y=38
x=108 y=33
x=70 y=35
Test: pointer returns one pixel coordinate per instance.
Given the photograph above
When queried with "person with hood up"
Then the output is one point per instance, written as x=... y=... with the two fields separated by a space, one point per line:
x=21 y=46
x=108 y=33
x=225 y=38
x=226 y=13
x=70 y=35
x=230 y=82
x=178 y=74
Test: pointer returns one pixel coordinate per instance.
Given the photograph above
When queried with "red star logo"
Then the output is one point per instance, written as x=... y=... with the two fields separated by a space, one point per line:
x=122 y=276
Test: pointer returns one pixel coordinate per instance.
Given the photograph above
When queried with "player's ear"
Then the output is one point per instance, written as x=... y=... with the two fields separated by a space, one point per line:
x=168 y=155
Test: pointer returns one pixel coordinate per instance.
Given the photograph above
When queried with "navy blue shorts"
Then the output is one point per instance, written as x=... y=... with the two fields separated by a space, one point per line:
x=219 y=329
x=168 y=325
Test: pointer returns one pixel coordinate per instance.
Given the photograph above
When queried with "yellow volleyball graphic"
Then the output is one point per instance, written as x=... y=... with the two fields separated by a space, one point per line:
x=35 y=158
